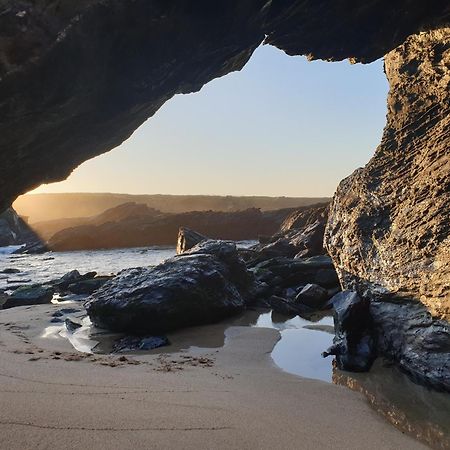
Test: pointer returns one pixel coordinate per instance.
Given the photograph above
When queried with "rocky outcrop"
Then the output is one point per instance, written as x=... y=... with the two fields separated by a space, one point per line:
x=142 y=226
x=113 y=73
x=203 y=285
x=300 y=235
x=15 y=231
x=389 y=225
x=78 y=284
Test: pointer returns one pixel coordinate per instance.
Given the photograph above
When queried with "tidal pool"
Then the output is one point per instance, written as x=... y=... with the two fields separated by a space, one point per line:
x=413 y=409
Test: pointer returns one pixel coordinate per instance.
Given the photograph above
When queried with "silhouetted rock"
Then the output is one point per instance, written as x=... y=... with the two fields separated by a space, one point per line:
x=154 y=228
x=15 y=231
x=35 y=294
x=196 y=44
x=203 y=285
x=187 y=239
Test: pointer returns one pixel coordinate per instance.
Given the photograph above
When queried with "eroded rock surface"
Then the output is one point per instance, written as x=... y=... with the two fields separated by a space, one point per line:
x=77 y=78
x=389 y=224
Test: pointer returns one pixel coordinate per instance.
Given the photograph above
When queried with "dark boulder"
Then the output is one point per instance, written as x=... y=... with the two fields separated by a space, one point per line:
x=420 y=344
x=300 y=235
x=203 y=285
x=35 y=294
x=354 y=342
x=88 y=285
x=71 y=278
x=312 y=296
x=288 y=307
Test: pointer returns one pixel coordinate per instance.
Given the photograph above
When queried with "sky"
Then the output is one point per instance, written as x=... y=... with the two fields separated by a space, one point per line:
x=282 y=126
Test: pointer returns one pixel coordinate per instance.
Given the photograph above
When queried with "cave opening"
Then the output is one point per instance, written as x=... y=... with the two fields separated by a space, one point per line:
x=281 y=127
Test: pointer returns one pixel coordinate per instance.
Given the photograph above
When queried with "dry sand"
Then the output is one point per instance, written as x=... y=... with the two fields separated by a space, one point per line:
x=231 y=398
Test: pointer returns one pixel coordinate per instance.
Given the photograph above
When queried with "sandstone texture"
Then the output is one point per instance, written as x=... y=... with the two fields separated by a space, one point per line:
x=388 y=230
x=389 y=225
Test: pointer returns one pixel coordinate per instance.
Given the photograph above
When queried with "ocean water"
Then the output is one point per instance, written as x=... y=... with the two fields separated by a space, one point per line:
x=52 y=265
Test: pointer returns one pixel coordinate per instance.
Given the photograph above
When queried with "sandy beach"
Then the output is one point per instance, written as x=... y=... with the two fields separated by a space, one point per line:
x=230 y=398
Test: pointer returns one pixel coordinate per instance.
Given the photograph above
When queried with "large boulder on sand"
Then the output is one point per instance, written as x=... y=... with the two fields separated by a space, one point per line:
x=203 y=285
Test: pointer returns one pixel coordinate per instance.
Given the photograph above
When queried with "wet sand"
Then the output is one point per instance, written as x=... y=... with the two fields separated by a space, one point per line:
x=228 y=398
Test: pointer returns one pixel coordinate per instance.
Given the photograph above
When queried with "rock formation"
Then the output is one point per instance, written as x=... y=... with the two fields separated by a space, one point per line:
x=389 y=225
x=136 y=225
x=300 y=235
x=15 y=231
x=203 y=285
x=396 y=237
x=77 y=78
x=187 y=239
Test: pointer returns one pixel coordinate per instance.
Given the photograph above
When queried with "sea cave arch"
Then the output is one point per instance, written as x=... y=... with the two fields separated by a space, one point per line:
x=84 y=77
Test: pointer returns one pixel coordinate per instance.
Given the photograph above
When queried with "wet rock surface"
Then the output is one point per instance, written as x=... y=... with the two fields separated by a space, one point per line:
x=354 y=345
x=78 y=284
x=29 y=295
x=136 y=343
x=420 y=344
x=204 y=285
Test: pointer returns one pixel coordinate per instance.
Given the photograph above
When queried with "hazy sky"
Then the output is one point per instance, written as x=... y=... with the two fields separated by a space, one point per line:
x=281 y=126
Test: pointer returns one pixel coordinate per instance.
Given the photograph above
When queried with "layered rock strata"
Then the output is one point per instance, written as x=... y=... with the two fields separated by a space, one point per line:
x=77 y=78
x=388 y=230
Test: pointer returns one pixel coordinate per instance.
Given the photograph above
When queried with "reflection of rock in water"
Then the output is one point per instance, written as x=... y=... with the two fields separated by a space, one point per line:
x=413 y=409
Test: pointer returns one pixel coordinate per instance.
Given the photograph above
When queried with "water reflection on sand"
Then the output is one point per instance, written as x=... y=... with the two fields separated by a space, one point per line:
x=413 y=409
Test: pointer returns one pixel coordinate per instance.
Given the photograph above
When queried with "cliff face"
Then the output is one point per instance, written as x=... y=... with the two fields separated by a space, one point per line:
x=389 y=225
x=77 y=78
x=15 y=231
x=388 y=230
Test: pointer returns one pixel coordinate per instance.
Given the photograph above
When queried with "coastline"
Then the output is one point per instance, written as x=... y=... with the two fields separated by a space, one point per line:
x=229 y=397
